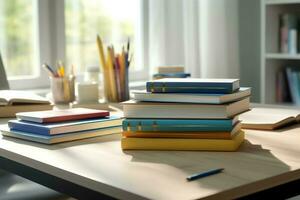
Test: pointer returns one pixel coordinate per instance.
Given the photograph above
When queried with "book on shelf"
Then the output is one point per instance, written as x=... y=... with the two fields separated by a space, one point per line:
x=61 y=115
x=193 y=85
x=283 y=94
x=15 y=97
x=178 y=144
x=289 y=33
x=179 y=125
x=143 y=95
x=135 y=109
x=293 y=76
x=11 y=111
x=186 y=134
x=64 y=127
x=52 y=139
x=269 y=118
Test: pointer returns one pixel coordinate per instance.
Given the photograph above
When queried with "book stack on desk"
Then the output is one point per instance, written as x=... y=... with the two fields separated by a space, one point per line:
x=57 y=126
x=186 y=114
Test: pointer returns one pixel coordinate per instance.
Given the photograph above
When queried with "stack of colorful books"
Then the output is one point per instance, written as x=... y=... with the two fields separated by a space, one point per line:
x=57 y=126
x=186 y=114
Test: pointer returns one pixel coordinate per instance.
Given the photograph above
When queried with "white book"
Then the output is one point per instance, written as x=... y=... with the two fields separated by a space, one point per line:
x=135 y=109
x=191 y=98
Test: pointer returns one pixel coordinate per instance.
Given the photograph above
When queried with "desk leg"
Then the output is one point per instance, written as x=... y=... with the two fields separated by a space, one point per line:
x=50 y=181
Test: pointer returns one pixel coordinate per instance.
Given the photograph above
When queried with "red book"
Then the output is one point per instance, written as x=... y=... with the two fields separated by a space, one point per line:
x=50 y=116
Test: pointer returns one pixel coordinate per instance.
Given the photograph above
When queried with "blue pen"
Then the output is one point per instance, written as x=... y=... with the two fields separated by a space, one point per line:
x=204 y=174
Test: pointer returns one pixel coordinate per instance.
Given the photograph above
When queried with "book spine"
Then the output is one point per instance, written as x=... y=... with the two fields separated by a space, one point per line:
x=284 y=33
x=28 y=128
x=197 y=135
x=182 y=144
x=176 y=125
x=288 y=34
x=161 y=87
x=278 y=86
x=292 y=41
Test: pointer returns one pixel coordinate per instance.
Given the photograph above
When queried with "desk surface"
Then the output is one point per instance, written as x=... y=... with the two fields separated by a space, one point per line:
x=266 y=159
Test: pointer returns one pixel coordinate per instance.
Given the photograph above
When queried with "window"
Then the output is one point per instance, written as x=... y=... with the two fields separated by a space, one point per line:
x=33 y=32
x=113 y=20
x=18 y=37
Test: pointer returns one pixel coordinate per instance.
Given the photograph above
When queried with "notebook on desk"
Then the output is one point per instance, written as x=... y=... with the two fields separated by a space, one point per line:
x=14 y=101
x=15 y=97
x=269 y=118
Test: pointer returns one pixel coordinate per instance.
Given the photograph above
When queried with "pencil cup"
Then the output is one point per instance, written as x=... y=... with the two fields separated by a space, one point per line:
x=62 y=89
x=116 y=88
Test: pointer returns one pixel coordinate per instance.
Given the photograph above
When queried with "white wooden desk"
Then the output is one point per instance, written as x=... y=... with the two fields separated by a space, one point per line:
x=98 y=168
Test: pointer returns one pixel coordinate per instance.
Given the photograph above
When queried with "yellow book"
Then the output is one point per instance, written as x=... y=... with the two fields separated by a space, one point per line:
x=183 y=144
x=192 y=135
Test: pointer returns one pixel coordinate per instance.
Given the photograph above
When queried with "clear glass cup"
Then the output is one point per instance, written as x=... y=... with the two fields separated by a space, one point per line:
x=62 y=89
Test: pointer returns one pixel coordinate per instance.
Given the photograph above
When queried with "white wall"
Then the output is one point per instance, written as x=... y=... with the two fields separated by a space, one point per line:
x=219 y=38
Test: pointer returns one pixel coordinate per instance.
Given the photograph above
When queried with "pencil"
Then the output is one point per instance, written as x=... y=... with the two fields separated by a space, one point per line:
x=111 y=76
x=204 y=174
x=49 y=70
x=104 y=67
x=101 y=52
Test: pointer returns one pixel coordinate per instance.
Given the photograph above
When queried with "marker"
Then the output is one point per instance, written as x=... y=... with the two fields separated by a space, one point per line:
x=204 y=174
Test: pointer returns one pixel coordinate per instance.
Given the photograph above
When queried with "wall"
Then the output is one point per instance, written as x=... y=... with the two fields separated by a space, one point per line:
x=249 y=37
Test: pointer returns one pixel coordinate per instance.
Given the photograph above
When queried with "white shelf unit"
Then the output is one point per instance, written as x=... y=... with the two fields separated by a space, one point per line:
x=271 y=58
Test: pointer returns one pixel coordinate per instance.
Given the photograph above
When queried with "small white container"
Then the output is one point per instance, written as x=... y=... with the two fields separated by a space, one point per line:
x=92 y=74
x=87 y=92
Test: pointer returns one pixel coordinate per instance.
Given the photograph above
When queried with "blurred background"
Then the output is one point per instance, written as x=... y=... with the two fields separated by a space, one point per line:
x=211 y=39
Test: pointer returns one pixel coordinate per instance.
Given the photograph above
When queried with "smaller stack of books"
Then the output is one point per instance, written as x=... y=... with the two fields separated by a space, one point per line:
x=57 y=126
x=186 y=114
x=170 y=72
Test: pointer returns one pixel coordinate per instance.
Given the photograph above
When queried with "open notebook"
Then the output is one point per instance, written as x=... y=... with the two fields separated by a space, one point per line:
x=13 y=101
x=269 y=118
x=13 y=97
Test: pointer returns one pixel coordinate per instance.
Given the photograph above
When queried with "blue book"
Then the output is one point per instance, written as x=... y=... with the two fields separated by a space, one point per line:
x=172 y=75
x=64 y=127
x=293 y=80
x=193 y=85
x=179 y=125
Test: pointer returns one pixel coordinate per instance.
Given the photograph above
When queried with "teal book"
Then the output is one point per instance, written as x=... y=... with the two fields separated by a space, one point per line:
x=179 y=125
x=193 y=85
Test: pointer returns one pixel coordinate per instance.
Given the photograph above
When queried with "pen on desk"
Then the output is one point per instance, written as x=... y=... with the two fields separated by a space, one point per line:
x=204 y=174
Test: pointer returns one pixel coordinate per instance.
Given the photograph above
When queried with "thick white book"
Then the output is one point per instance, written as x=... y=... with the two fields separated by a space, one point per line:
x=143 y=95
x=136 y=109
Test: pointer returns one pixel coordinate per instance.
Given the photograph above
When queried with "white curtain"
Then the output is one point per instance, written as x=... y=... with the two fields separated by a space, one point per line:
x=202 y=35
